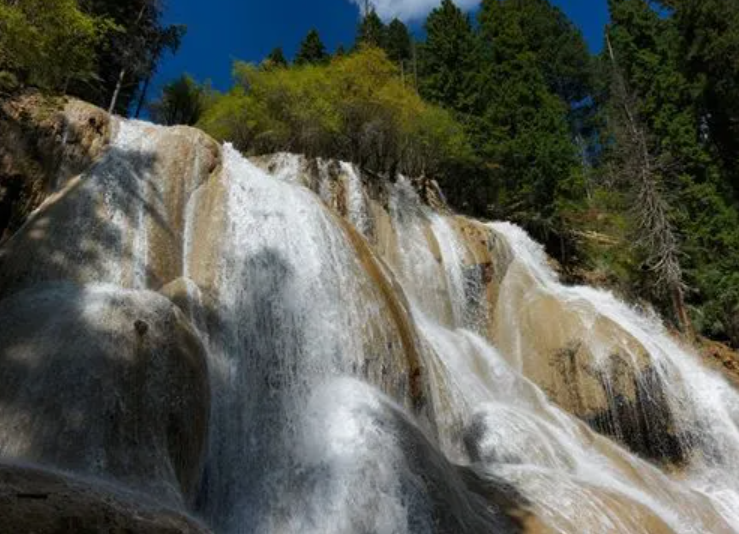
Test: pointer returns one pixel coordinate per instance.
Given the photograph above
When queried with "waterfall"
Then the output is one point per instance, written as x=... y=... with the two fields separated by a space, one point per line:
x=378 y=365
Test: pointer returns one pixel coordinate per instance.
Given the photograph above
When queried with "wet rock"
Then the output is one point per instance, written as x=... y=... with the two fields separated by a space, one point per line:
x=121 y=221
x=43 y=142
x=106 y=382
x=45 y=502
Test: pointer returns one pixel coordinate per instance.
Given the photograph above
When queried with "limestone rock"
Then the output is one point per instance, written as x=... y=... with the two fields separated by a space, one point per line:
x=45 y=502
x=122 y=221
x=43 y=143
x=105 y=382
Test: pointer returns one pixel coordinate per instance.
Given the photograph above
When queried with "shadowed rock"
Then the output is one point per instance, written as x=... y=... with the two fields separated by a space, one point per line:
x=43 y=502
x=106 y=382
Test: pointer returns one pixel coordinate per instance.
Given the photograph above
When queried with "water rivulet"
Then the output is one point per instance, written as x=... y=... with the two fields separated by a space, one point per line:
x=346 y=355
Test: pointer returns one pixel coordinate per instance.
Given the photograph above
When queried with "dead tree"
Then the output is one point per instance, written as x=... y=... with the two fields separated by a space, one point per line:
x=644 y=170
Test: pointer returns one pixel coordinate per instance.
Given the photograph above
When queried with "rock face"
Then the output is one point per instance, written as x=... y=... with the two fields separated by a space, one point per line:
x=122 y=221
x=43 y=502
x=44 y=142
x=105 y=382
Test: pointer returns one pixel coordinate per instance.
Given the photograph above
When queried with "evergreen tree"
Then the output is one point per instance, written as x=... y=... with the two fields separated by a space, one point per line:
x=649 y=54
x=449 y=59
x=709 y=53
x=545 y=31
x=312 y=50
x=371 y=32
x=524 y=133
x=182 y=102
x=398 y=45
x=276 y=59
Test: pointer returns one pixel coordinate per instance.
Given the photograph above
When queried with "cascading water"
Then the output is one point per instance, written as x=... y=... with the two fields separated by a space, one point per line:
x=378 y=366
x=296 y=309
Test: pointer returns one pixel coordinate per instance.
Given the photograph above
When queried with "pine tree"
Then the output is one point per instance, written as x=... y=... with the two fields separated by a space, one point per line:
x=709 y=54
x=525 y=129
x=642 y=168
x=398 y=45
x=129 y=57
x=276 y=59
x=371 y=32
x=182 y=102
x=312 y=50
x=650 y=57
x=448 y=58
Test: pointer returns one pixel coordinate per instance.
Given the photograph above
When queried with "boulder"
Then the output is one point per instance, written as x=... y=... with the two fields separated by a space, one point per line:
x=106 y=382
x=122 y=219
x=43 y=142
x=45 y=502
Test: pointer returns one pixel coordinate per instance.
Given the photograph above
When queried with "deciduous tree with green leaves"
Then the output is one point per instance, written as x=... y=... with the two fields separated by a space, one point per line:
x=50 y=43
x=356 y=108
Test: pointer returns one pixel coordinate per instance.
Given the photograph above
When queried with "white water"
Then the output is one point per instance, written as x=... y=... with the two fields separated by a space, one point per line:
x=704 y=406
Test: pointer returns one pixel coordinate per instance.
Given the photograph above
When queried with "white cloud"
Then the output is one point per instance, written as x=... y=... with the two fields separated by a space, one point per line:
x=408 y=10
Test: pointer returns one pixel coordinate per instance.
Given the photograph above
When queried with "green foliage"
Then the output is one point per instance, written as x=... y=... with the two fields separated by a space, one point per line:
x=449 y=59
x=398 y=45
x=537 y=27
x=668 y=97
x=8 y=82
x=528 y=142
x=523 y=133
x=709 y=57
x=275 y=60
x=312 y=50
x=49 y=43
x=371 y=32
x=134 y=50
x=182 y=102
x=355 y=108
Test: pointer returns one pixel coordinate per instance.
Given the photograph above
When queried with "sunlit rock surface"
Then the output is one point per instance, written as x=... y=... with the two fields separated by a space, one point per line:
x=374 y=362
x=44 y=142
x=118 y=221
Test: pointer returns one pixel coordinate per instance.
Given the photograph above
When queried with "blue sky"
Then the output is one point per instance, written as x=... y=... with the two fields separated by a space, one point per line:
x=220 y=31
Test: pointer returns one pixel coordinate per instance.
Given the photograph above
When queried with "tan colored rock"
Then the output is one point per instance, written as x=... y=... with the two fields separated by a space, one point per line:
x=401 y=372
x=123 y=220
x=208 y=227
x=101 y=381
x=44 y=142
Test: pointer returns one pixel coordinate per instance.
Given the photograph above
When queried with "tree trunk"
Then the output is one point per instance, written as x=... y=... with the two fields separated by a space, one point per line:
x=117 y=92
x=681 y=314
x=415 y=66
x=122 y=76
x=142 y=96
